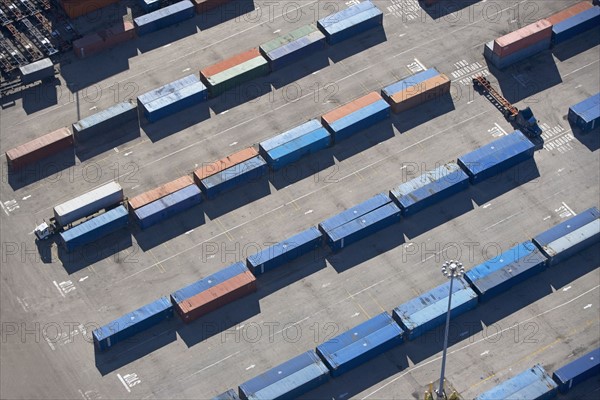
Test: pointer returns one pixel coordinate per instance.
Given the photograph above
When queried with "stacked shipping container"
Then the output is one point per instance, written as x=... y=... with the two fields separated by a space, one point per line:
x=104 y=39
x=40 y=148
x=105 y=121
x=534 y=383
x=77 y=8
x=575 y=25
x=415 y=90
x=168 y=206
x=159 y=192
x=577 y=371
x=164 y=17
x=37 y=71
x=586 y=114
x=350 y=22
x=284 y=50
x=88 y=203
x=94 y=229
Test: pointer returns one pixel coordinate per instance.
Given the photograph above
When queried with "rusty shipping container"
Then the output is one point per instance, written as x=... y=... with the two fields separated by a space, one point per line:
x=39 y=148
x=77 y=8
x=420 y=93
x=224 y=163
x=523 y=38
x=152 y=195
x=569 y=12
x=96 y=42
x=217 y=296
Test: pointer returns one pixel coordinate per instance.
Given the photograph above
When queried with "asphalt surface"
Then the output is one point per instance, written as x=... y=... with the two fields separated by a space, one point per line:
x=51 y=301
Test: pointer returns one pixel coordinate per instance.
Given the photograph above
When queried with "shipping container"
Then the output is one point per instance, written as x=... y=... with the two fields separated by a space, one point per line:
x=203 y=6
x=234 y=71
x=428 y=310
x=164 y=17
x=570 y=237
x=160 y=192
x=350 y=22
x=168 y=206
x=420 y=93
x=230 y=394
x=576 y=25
x=360 y=344
x=215 y=167
x=430 y=188
x=517 y=56
x=532 y=384
x=522 y=38
x=132 y=323
x=233 y=177
x=294 y=144
x=589 y=120
x=300 y=43
x=94 y=229
x=177 y=101
x=388 y=91
x=496 y=156
x=577 y=371
x=216 y=296
x=352 y=213
x=104 y=39
x=284 y=251
x=37 y=71
x=40 y=148
x=360 y=118
x=586 y=114
x=149 y=5
x=500 y=273
x=584 y=105
x=167 y=89
x=191 y=290
x=105 y=121
x=569 y=12
x=77 y=8
x=88 y=203
x=88 y=45
x=363 y=226
x=288 y=380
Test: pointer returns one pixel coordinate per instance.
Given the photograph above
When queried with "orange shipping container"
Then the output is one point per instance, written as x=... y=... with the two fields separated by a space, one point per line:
x=224 y=163
x=152 y=195
x=420 y=93
x=523 y=38
x=39 y=148
x=77 y=8
x=230 y=62
x=569 y=12
x=87 y=45
x=217 y=296
x=351 y=107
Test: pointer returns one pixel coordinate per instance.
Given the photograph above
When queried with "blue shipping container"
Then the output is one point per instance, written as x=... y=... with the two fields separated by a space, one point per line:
x=429 y=188
x=285 y=251
x=388 y=91
x=576 y=25
x=167 y=89
x=105 y=120
x=228 y=395
x=177 y=101
x=362 y=227
x=577 y=371
x=168 y=206
x=589 y=120
x=584 y=105
x=570 y=237
x=517 y=56
x=294 y=51
x=586 y=114
x=288 y=136
x=346 y=28
x=427 y=311
x=357 y=211
x=149 y=5
x=359 y=120
x=500 y=273
x=204 y=284
x=287 y=381
x=164 y=17
x=360 y=344
x=345 y=14
x=532 y=384
x=132 y=323
x=95 y=228
x=232 y=177
x=497 y=156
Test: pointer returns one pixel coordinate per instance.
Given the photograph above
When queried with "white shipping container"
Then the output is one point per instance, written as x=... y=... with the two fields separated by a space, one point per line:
x=88 y=203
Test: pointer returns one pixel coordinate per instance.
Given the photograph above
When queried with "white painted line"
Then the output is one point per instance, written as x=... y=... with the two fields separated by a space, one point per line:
x=355 y=315
x=186 y=70
x=308 y=212
x=567 y=288
x=3 y=208
x=93 y=108
x=233 y=144
x=135 y=187
x=83 y=279
x=316 y=72
x=190 y=231
x=402 y=34
x=569 y=208
x=212 y=365
x=420 y=64
x=165 y=46
x=22 y=303
x=123 y=382
x=26 y=197
x=588 y=306
x=486 y=205
x=325 y=284
x=277 y=31
x=116 y=150
x=485 y=352
x=224 y=112
x=502 y=220
x=469 y=102
x=50 y=343
x=82 y=395
x=547 y=217
x=59 y=289
x=250 y=367
x=237 y=328
x=128 y=153
x=500 y=128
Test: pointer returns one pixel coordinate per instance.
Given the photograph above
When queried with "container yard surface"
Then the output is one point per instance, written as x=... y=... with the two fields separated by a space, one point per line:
x=548 y=319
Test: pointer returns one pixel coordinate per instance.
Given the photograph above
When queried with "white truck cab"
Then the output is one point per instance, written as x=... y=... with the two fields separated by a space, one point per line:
x=43 y=231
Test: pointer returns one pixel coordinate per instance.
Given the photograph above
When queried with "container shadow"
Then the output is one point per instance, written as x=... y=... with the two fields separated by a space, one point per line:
x=136 y=347
x=304 y=168
x=363 y=140
x=167 y=35
x=228 y=11
x=435 y=107
x=237 y=198
x=590 y=139
x=300 y=268
x=359 y=43
x=50 y=169
x=174 y=123
x=444 y=8
x=93 y=147
x=92 y=253
x=35 y=97
x=175 y=226
x=504 y=182
x=577 y=45
x=221 y=322
x=438 y=214
x=247 y=93
x=290 y=74
x=370 y=247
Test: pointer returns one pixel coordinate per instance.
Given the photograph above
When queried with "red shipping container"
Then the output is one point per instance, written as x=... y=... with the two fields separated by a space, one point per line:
x=88 y=45
x=569 y=12
x=420 y=93
x=152 y=195
x=217 y=296
x=205 y=5
x=117 y=33
x=523 y=38
x=230 y=62
x=39 y=148
x=224 y=163
x=77 y=8
x=351 y=107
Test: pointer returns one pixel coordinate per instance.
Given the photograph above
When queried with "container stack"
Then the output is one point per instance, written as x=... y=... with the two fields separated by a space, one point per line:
x=203 y=6
x=415 y=90
x=350 y=22
x=159 y=192
x=535 y=383
x=88 y=203
x=585 y=115
x=94 y=229
x=77 y=8
x=290 y=146
x=573 y=21
x=104 y=39
x=164 y=17
x=105 y=121
x=520 y=44
x=168 y=206
x=577 y=371
x=300 y=43
x=356 y=116
x=149 y=5
x=37 y=71
x=234 y=71
x=40 y=148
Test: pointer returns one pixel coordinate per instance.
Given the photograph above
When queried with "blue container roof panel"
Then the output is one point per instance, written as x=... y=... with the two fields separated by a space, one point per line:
x=234 y=171
x=298 y=143
x=588 y=364
x=591 y=114
x=568 y=226
x=533 y=383
x=168 y=89
x=104 y=115
x=358 y=224
x=521 y=251
x=433 y=296
x=94 y=223
x=410 y=81
x=167 y=201
x=284 y=246
x=584 y=105
x=291 y=134
x=204 y=284
x=133 y=317
x=359 y=115
x=353 y=21
x=296 y=45
x=576 y=20
x=164 y=101
x=357 y=211
x=346 y=13
x=163 y=12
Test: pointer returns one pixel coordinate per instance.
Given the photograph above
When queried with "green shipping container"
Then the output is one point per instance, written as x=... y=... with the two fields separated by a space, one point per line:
x=290 y=37
x=237 y=75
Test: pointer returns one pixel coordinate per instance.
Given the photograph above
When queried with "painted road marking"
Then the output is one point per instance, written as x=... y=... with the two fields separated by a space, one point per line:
x=123 y=382
x=59 y=289
x=308 y=212
x=250 y=367
x=186 y=70
x=190 y=231
x=569 y=208
x=325 y=284
x=211 y=365
x=50 y=343
x=3 y=209
x=486 y=205
x=84 y=278
x=23 y=304
x=26 y=197
x=567 y=288
x=128 y=153
x=547 y=217
x=485 y=352
x=356 y=314
x=587 y=306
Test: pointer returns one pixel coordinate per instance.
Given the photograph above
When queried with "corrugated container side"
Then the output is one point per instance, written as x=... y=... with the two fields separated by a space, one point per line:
x=349 y=108
x=105 y=121
x=295 y=149
x=167 y=89
x=300 y=43
x=523 y=38
x=227 y=162
x=373 y=203
x=159 y=192
x=94 y=229
x=577 y=371
x=37 y=71
x=420 y=93
x=589 y=120
x=532 y=384
x=290 y=135
x=175 y=102
x=576 y=25
x=359 y=120
x=517 y=56
x=232 y=177
x=88 y=203
x=168 y=206
x=352 y=26
x=37 y=149
x=345 y=14
x=406 y=83
x=569 y=12
x=237 y=75
x=164 y=17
